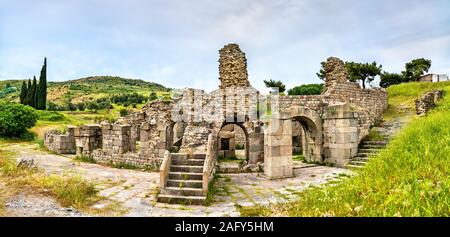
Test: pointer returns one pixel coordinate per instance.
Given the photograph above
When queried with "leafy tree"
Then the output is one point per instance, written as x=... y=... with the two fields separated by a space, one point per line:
x=92 y=106
x=416 y=68
x=387 y=79
x=41 y=92
x=278 y=84
x=16 y=119
x=363 y=72
x=307 y=89
x=23 y=93
x=321 y=73
x=52 y=106
x=81 y=106
x=70 y=107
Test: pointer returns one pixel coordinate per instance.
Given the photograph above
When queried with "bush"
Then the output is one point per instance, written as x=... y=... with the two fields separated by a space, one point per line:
x=49 y=115
x=16 y=119
x=307 y=89
x=123 y=112
x=54 y=107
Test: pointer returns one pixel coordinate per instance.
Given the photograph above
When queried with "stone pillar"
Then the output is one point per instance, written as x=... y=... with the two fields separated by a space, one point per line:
x=256 y=148
x=121 y=138
x=278 y=149
x=87 y=138
x=341 y=134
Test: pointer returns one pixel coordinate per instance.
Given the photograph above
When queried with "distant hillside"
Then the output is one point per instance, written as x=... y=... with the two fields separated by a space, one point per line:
x=84 y=89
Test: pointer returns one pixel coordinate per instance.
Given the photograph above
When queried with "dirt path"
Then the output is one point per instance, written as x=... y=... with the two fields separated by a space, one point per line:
x=132 y=192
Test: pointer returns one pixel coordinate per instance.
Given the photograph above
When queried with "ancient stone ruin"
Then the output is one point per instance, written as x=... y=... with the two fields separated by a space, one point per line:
x=184 y=137
x=428 y=101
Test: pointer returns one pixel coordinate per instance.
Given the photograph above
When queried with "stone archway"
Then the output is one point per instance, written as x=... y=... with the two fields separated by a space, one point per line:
x=312 y=126
x=278 y=141
x=227 y=140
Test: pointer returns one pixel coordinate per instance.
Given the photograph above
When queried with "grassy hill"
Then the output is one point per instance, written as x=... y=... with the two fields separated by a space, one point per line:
x=410 y=177
x=84 y=89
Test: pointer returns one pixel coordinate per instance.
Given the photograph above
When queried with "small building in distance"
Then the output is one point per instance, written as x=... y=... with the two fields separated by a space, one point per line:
x=434 y=78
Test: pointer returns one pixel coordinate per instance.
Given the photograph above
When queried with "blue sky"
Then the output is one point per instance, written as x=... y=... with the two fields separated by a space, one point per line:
x=176 y=43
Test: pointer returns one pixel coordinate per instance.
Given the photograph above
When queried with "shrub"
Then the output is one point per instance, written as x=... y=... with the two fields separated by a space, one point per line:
x=16 y=119
x=123 y=112
x=49 y=115
x=307 y=89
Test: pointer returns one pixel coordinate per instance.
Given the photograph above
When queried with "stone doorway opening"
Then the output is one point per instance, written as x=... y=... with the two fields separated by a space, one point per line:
x=297 y=142
x=232 y=141
x=174 y=136
x=308 y=140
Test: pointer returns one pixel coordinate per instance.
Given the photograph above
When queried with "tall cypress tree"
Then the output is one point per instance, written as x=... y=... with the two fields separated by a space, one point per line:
x=23 y=93
x=29 y=94
x=33 y=93
x=41 y=93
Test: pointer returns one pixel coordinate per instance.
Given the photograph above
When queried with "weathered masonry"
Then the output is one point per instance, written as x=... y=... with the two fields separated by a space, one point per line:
x=185 y=144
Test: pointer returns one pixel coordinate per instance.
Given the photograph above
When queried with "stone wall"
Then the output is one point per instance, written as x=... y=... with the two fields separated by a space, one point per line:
x=369 y=103
x=87 y=139
x=340 y=129
x=428 y=101
x=60 y=143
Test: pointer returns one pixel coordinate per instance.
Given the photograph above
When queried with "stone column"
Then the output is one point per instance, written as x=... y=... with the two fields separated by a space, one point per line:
x=278 y=149
x=256 y=148
x=341 y=134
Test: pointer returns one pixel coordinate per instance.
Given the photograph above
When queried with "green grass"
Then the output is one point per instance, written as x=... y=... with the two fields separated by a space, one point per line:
x=411 y=177
x=402 y=96
x=85 y=159
x=298 y=157
x=69 y=190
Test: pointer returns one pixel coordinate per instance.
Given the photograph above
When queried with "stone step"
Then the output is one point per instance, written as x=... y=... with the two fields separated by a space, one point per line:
x=194 y=162
x=183 y=191
x=357 y=162
x=198 y=156
x=186 y=168
x=185 y=176
x=366 y=146
x=362 y=154
x=178 y=155
x=361 y=158
x=176 y=199
x=375 y=142
x=184 y=183
x=368 y=150
x=350 y=166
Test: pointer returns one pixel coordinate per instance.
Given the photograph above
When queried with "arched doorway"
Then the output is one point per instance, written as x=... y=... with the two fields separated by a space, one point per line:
x=297 y=141
x=233 y=143
x=311 y=139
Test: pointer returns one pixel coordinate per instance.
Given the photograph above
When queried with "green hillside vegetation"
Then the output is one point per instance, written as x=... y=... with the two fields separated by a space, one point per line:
x=86 y=89
x=410 y=177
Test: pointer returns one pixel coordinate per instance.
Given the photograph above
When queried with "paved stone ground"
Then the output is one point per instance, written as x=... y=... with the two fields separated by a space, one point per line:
x=135 y=190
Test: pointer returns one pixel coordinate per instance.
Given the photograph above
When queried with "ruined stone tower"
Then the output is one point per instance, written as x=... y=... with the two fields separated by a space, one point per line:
x=232 y=67
x=335 y=71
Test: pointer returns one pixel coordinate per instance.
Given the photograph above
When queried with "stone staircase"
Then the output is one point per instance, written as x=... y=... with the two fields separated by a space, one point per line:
x=366 y=150
x=184 y=184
